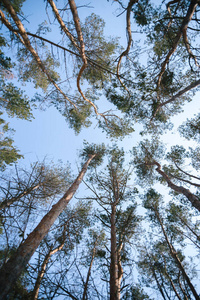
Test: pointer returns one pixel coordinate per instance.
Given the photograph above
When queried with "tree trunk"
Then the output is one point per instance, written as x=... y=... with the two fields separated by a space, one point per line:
x=155 y=276
x=176 y=258
x=89 y=271
x=43 y=268
x=11 y=271
x=114 y=292
x=194 y=200
x=170 y=279
x=191 y=10
x=40 y=276
x=120 y=269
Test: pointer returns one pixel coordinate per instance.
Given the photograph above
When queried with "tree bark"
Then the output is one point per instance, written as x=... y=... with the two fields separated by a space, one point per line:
x=170 y=280
x=120 y=269
x=129 y=34
x=155 y=276
x=179 y=94
x=11 y=271
x=114 y=292
x=40 y=276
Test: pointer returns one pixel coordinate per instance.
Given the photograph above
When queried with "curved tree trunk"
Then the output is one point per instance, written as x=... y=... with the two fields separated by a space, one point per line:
x=11 y=271
x=194 y=200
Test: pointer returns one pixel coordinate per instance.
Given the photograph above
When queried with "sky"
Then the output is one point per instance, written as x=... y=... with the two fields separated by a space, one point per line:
x=48 y=135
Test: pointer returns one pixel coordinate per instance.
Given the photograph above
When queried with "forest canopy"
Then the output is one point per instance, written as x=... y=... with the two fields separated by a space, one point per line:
x=123 y=223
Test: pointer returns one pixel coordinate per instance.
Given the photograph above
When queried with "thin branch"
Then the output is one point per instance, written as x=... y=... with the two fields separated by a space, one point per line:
x=27 y=44
x=179 y=94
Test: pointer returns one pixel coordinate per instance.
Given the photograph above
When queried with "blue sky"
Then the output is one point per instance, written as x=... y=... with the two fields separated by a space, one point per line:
x=48 y=135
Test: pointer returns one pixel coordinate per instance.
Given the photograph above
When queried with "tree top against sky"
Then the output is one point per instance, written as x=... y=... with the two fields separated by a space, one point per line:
x=148 y=78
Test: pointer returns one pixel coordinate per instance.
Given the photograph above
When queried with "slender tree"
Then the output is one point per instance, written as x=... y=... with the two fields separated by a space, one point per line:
x=146 y=162
x=73 y=221
x=110 y=191
x=14 y=267
x=152 y=201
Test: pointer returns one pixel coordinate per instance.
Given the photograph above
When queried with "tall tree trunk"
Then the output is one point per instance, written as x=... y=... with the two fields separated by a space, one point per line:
x=11 y=271
x=43 y=268
x=160 y=288
x=176 y=258
x=170 y=279
x=89 y=271
x=120 y=269
x=114 y=292
x=40 y=276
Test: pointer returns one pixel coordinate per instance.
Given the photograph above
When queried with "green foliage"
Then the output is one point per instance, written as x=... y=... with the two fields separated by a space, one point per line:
x=8 y=153
x=101 y=253
x=40 y=183
x=177 y=154
x=12 y=98
x=144 y=156
x=77 y=118
x=135 y=292
x=152 y=200
x=194 y=155
x=116 y=127
x=140 y=73
x=121 y=101
x=29 y=69
x=14 y=102
x=99 y=49
x=20 y=292
x=142 y=12
x=191 y=128
x=5 y=62
x=76 y=219
x=127 y=222
x=116 y=157
x=16 y=4
x=93 y=149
